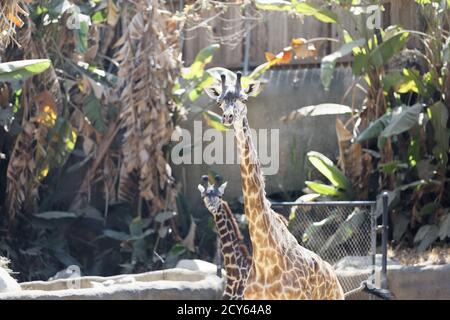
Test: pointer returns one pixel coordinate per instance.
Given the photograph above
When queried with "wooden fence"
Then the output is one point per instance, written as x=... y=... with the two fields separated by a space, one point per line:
x=274 y=31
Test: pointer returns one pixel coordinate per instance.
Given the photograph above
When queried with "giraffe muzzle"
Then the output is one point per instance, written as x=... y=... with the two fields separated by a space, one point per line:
x=227 y=119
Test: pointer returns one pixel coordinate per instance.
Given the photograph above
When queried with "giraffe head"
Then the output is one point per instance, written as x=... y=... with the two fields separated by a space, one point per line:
x=212 y=193
x=232 y=98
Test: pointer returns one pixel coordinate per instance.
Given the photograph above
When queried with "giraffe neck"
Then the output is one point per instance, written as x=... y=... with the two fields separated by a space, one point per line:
x=234 y=251
x=257 y=207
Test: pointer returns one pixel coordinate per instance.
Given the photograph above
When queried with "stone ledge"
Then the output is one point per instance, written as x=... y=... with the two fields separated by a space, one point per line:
x=167 y=284
x=420 y=282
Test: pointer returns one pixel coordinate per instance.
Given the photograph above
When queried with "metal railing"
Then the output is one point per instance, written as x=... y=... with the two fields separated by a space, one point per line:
x=343 y=233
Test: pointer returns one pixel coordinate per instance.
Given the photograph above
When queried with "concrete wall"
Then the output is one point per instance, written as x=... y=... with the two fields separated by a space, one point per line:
x=285 y=91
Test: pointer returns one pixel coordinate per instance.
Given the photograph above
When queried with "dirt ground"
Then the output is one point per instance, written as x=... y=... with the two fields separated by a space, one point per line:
x=437 y=255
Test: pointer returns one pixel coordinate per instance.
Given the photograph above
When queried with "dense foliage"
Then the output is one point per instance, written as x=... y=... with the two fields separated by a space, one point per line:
x=398 y=140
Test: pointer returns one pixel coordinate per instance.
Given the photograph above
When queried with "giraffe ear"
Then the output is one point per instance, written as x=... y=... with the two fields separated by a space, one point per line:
x=213 y=92
x=201 y=189
x=253 y=88
x=222 y=188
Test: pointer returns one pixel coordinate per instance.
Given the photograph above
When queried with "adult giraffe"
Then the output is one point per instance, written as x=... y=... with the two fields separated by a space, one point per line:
x=281 y=268
x=237 y=260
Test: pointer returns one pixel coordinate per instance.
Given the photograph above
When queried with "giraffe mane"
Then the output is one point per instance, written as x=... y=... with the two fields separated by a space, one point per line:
x=236 y=230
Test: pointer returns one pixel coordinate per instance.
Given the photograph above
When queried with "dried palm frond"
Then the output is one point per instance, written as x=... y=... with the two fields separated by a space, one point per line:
x=9 y=20
x=41 y=105
x=150 y=60
x=355 y=163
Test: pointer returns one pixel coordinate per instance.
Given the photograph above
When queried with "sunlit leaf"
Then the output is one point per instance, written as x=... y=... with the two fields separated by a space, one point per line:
x=329 y=61
x=324 y=189
x=214 y=120
x=22 y=69
x=320 y=14
x=204 y=57
x=317 y=110
x=386 y=50
x=99 y=17
x=326 y=167
x=277 y=5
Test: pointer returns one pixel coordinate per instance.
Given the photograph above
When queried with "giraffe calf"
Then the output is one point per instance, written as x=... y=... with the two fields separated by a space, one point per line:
x=235 y=254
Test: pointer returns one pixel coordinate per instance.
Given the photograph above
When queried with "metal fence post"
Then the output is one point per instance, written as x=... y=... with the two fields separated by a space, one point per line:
x=373 y=242
x=384 y=240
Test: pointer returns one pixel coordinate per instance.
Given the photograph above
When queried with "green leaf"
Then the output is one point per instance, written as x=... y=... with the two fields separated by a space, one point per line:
x=329 y=62
x=375 y=128
x=323 y=15
x=425 y=236
x=392 y=79
x=165 y=215
x=392 y=166
x=82 y=33
x=345 y=231
x=315 y=229
x=214 y=120
x=322 y=109
x=93 y=111
x=329 y=170
x=55 y=215
x=428 y=209
x=274 y=5
x=438 y=114
x=195 y=93
x=324 y=189
x=446 y=51
x=403 y=119
x=408 y=81
x=387 y=49
x=400 y=224
x=116 y=235
x=22 y=69
x=360 y=63
x=444 y=227
x=99 y=17
x=258 y=72
x=177 y=250
x=204 y=57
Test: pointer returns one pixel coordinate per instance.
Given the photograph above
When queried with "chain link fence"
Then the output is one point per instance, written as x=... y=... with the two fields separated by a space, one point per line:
x=342 y=233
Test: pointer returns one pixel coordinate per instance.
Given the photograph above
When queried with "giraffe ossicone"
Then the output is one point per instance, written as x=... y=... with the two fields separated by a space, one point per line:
x=281 y=268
